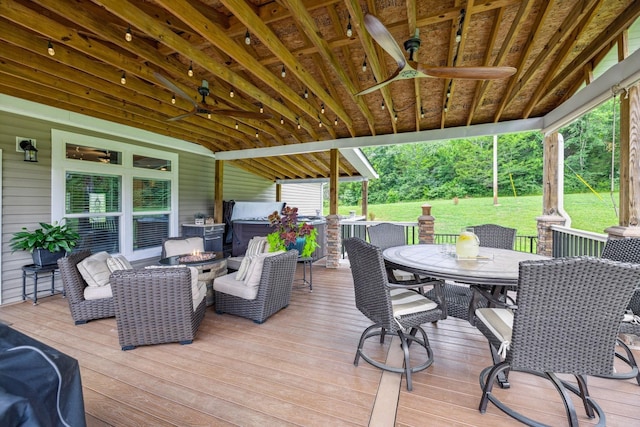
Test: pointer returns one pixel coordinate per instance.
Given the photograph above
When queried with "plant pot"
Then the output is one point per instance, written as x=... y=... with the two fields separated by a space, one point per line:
x=42 y=257
x=298 y=245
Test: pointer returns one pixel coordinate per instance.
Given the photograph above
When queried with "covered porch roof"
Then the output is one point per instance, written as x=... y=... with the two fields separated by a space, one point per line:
x=554 y=46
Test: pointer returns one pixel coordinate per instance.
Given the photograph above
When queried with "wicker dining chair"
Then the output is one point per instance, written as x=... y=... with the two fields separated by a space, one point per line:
x=460 y=297
x=627 y=250
x=393 y=309
x=565 y=322
x=387 y=235
x=82 y=310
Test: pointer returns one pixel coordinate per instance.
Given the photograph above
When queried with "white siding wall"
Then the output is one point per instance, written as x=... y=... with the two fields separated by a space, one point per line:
x=26 y=192
x=306 y=197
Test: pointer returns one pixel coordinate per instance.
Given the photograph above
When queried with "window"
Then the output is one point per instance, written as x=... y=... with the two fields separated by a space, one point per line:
x=120 y=198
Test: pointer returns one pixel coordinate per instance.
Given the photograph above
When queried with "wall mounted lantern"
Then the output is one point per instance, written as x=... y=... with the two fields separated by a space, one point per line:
x=30 y=152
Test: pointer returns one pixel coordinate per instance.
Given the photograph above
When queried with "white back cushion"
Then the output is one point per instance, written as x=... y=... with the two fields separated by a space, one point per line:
x=94 y=269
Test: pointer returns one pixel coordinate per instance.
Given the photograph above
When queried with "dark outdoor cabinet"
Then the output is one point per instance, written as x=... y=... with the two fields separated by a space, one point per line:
x=211 y=233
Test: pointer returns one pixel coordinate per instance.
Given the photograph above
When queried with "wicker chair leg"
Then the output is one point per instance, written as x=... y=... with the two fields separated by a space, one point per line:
x=81 y=322
x=407 y=367
x=128 y=347
x=584 y=395
x=630 y=360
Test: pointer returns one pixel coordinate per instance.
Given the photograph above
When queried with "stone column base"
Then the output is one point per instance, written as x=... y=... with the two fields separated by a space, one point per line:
x=545 y=234
x=334 y=241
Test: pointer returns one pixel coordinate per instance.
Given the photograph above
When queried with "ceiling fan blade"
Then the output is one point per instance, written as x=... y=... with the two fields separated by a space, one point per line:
x=182 y=116
x=384 y=83
x=243 y=114
x=384 y=38
x=169 y=85
x=472 y=73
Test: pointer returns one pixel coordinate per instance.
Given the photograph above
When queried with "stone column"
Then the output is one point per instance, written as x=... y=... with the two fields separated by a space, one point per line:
x=426 y=225
x=334 y=241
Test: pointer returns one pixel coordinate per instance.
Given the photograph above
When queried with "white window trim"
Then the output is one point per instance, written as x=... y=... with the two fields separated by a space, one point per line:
x=60 y=165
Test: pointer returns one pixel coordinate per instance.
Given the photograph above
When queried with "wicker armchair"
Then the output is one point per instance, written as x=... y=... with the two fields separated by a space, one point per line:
x=155 y=306
x=82 y=310
x=273 y=294
x=387 y=235
x=387 y=306
x=460 y=297
x=566 y=322
x=627 y=250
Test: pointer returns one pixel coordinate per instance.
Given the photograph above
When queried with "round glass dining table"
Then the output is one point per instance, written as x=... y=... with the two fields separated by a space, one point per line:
x=495 y=267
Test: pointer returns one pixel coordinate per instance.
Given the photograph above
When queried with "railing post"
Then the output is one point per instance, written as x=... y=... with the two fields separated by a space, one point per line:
x=545 y=234
x=334 y=241
x=426 y=225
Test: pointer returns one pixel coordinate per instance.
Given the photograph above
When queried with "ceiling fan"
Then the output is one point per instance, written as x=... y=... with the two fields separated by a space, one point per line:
x=202 y=107
x=411 y=69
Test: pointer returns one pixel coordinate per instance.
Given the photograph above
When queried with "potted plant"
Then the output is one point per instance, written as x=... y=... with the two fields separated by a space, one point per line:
x=47 y=243
x=289 y=234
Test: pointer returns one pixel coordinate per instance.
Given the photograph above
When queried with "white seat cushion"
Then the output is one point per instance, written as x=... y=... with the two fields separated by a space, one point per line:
x=94 y=269
x=500 y=322
x=97 y=292
x=183 y=246
x=228 y=284
x=404 y=301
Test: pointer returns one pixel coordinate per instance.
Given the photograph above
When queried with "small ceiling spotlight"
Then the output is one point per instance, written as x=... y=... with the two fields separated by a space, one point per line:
x=298 y=122
x=231 y=93
x=306 y=93
x=319 y=122
x=190 y=71
x=50 y=49
x=257 y=134
x=382 y=105
x=281 y=120
x=364 y=64
x=395 y=118
x=335 y=122
x=123 y=78
x=261 y=108
x=208 y=115
x=322 y=108
x=128 y=36
x=283 y=73
x=173 y=99
x=421 y=112
x=349 y=30
x=236 y=125
x=247 y=38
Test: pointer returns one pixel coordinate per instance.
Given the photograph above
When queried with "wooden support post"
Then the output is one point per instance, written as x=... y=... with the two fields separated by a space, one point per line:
x=334 y=238
x=550 y=194
x=278 y=192
x=218 y=196
x=365 y=197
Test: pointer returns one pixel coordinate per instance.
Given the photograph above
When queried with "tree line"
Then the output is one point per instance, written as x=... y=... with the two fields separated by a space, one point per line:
x=464 y=167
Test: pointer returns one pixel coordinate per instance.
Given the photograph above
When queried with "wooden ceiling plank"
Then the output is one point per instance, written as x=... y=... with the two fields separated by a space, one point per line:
x=242 y=11
x=622 y=21
x=551 y=46
x=255 y=168
x=373 y=52
x=81 y=64
x=306 y=22
x=143 y=22
x=560 y=57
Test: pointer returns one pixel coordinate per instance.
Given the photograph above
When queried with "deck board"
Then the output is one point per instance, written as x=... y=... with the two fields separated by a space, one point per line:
x=294 y=369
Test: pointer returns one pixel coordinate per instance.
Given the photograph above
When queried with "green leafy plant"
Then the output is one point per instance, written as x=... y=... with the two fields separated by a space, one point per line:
x=287 y=230
x=52 y=237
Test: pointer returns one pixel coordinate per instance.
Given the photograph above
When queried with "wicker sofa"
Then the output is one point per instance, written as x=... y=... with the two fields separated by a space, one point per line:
x=82 y=310
x=157 y=305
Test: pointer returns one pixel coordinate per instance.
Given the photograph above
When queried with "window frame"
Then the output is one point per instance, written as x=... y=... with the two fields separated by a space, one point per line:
x=60 y=165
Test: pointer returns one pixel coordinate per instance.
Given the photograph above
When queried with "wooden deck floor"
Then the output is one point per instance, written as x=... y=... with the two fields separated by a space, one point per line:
x=295 y=369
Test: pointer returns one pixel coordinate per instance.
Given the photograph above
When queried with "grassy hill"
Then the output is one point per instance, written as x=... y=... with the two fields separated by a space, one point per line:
x=587 y=212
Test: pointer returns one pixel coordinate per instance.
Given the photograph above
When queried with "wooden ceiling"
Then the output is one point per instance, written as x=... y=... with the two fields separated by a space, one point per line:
x=554 y=45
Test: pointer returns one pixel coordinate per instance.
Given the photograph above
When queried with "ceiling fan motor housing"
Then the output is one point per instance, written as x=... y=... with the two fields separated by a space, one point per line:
x=411 y=46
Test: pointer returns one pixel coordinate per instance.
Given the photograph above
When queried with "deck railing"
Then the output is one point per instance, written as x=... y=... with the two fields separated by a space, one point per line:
x=354 y=228
x=572 y=242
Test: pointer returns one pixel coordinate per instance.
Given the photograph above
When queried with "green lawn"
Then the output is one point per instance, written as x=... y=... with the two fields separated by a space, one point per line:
x=587 y=211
